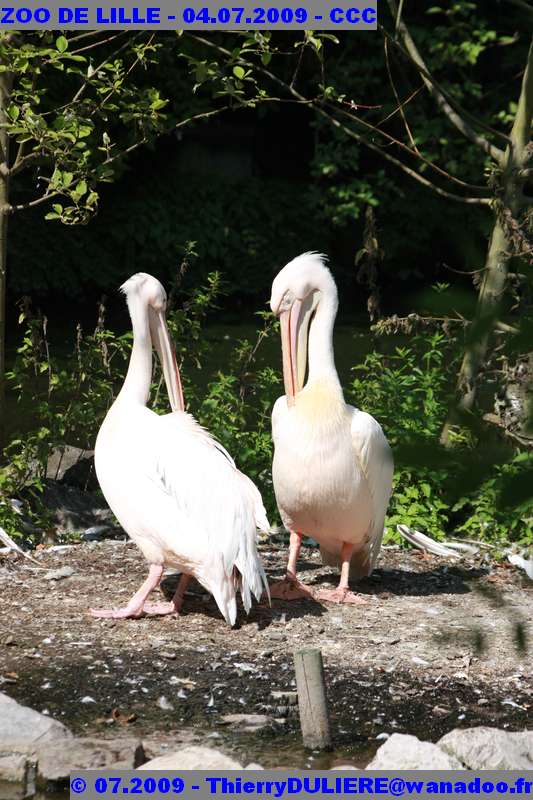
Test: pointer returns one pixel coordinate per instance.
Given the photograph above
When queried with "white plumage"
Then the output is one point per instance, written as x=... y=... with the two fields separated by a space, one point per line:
x=173 y=488
x=332 y=468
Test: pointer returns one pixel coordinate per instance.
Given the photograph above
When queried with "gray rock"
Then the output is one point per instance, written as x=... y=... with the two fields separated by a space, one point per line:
x=97 y=533
x=57 y=760
x=285 y=698
x=22 y=729
x=401 y=751
x=490 y=748
x=246 y=722
x=17 y=777
x=18 y=768
x=194 y=757
x=342 y=767
x=73 y=466
x=74 y=509
x=58 y=574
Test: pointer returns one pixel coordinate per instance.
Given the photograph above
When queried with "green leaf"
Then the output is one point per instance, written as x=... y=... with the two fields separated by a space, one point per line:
x=266 y=58
x=80 y=189
x=61 y=44
x=239 y=72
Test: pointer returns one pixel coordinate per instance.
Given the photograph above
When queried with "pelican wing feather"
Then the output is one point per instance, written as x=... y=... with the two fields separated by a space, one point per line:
x=219 y=503
x=375 y=458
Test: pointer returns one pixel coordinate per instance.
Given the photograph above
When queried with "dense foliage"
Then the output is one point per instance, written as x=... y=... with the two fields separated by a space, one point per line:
x=312 y=142
x=281 y=181
x=63 y=400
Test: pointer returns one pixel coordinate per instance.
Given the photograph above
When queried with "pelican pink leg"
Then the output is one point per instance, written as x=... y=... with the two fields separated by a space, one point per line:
x=174 y=606
x=290 y=588
x=135 y=606
x=342 y=593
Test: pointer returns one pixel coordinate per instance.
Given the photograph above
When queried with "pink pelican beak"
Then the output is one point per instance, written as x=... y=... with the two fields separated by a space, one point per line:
x=295 y=323
x=167 y=356
x=289 y=322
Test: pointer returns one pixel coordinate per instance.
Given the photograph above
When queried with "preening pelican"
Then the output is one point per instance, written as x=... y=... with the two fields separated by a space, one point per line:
x=332 y=469
x=173 y=488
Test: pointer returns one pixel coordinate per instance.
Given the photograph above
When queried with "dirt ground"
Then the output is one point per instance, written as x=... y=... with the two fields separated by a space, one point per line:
x=437 y=646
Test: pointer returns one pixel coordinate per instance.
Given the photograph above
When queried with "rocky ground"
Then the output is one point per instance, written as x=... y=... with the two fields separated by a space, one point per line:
x=437 y=646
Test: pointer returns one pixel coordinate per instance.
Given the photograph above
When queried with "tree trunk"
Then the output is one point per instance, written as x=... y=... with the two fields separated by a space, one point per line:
x=5 y=90
x=499 y=253
x=3 y=243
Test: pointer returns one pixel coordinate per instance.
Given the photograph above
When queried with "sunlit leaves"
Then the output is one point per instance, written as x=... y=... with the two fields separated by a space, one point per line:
x=59 y=125
x=62 y=44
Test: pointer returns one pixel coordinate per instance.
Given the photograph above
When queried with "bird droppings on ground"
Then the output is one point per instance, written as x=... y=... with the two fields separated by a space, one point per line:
x=436 y=647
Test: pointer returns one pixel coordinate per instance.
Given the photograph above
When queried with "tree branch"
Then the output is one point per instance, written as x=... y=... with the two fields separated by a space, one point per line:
x=348 y=131
x=455 y=118
x=411 y=172
x=396 y=95
x=130 y=69
x=100 y=66
x=413 y=152
x=31 y=204
x=144 y=140
x=521 y=130
x=97 y=44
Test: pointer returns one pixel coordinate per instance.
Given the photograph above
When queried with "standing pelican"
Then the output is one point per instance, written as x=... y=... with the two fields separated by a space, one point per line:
x=332 y=467
x=173 y=488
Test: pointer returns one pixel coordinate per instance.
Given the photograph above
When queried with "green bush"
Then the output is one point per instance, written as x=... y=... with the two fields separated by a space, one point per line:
x=440 y=492
x=436 y=491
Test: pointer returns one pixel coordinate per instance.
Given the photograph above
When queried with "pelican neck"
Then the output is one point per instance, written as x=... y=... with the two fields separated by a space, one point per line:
x=320 y=347
x=136 y=388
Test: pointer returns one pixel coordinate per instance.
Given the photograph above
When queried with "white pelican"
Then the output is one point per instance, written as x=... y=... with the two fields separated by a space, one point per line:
x=173 y=488
x=332 y=469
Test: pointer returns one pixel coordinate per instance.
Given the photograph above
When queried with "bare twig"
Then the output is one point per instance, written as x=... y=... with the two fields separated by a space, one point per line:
x=188 y=121
x=414 y=152
x=130 y=69
x=457 y=119
x=93 y=45
x=353 y=134
x=97 y=69
x=12 y=209
x=396 y=96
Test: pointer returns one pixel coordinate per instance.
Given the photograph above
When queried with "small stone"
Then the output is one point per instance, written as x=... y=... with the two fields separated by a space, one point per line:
x=490 y=748
x=246 y=722
x=96 y=533
x=59 y=574
x=58 y=759
x=21 y=727
x=20 y=770
x=420 y=661
x=165 y=704
x=194 y=757
x=402 y=751
x=289 y=698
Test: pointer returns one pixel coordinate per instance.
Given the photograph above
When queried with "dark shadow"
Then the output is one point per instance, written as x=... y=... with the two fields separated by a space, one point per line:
x=198 y=600
x=384 y=582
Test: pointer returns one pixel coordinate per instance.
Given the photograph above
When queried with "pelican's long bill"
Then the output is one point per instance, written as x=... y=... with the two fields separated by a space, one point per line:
x=165 y=351
x=294 y=334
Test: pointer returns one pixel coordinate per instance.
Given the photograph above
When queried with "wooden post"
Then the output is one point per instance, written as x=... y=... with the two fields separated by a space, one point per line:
x=312 y=703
